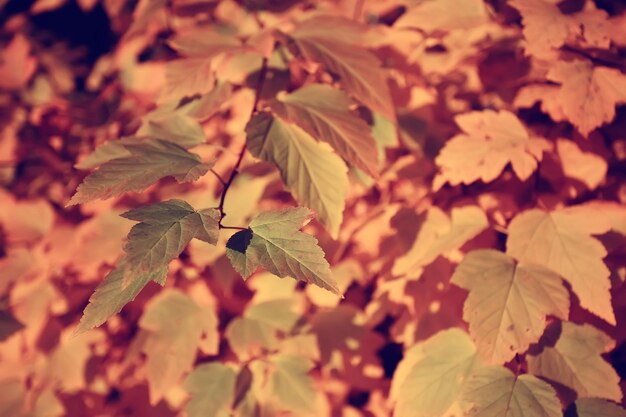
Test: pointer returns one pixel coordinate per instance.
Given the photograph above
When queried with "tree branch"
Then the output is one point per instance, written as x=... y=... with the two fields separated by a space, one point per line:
x=235 y=171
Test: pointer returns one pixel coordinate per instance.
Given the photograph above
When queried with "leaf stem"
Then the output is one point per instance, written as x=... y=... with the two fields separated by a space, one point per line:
x=235 y=171
x=218 y=176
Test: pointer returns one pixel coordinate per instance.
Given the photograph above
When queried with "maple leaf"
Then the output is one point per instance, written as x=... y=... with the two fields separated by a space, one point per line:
x=314 y=174
x=561 y=241
x=586 y=167
x=438 y=235
x=212 y=389
x=324 y=113
x=274 y=242
x=433 y=15
x=546 y=29
x=490 y=141
x=433 y=373
x=588 y=93
x=164 y=231
x=174 y=325
x=112 y=295
x=496 y=392
x=16 y=64
x=149 y=161
x=324 y=40
x=595 y=407
x=507 y=303
x=575 y=362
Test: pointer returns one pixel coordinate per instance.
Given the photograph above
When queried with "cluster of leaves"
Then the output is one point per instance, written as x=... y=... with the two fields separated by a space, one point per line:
x=444 y=180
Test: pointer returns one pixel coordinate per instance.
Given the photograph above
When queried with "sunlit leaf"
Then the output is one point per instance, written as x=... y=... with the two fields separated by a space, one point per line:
x=212 y=388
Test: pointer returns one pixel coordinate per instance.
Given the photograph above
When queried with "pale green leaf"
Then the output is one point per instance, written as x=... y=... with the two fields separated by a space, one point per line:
x=595 y=407
x=432 y=375
x=275 y=243
x=561 y=241
x=507 y=303
x=111 y=295
x=359 y=71
x=291 y=384
x=497 y=392
x=174 y=325
x=212 y=389
x=149 y=161
x=165 y=230
x=324 y=112
x=575 y=362
x=313 y=173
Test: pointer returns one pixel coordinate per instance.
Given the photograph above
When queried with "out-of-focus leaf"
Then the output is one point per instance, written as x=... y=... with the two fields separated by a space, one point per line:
x=291 y=384
x=438 y=235
x=275 y=243
x=16 y=64
x=314 y=174
x=212 y=389
x=8 y=325
x=149 y=161
x=433 y=374
x=496 y=392
x=324 y=113
x=490 y=141
x=508 y=302
x=326 y=40
x=561 y=241
x=575 y=362
x=447 y=15
x=174 y=324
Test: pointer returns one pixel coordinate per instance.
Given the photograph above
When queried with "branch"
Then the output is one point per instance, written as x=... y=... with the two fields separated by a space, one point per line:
x=235 y=171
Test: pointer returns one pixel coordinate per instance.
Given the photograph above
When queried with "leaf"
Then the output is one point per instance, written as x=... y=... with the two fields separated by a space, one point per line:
x=314 y=174
x=433 y=15
x=575 y=362
x=212 y=389
x=588 y=93
x=323 y=40
x=433 y=374
x=496 y=392
x=149 y=161
x=546 y=29
x=164 y=231
x=324 y=113
x=16 y=64
x=595 y=407
x=291 y=384
x=586 y=167
x=111 y=295
x=438 y=235
x=174 y=127
x=561 y=241
x=508 y=302
x=186 y=78
x=204 y=41
x=174 y=325
x=274 y=242
x=490 y=141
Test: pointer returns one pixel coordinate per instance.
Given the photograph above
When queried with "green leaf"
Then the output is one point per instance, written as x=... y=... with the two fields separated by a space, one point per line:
x=496 y=392
x=595 y=407
x=322 y=40
x=275 y=243
x=432 y=375
x=174 y=325
x=111 y=295
x=312 y=172
x=291 y=383
x=324 y=113
x=575 y=362
x=148 y=162
x=212 y=389
x=507 y=303
x=561 y=241
x=165 y=230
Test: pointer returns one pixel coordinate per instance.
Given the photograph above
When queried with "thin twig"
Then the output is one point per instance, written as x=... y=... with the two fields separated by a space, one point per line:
x=218 y=176
x=235 y=171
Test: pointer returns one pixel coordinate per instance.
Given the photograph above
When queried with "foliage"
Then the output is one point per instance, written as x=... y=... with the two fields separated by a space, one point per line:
x=409 y=208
